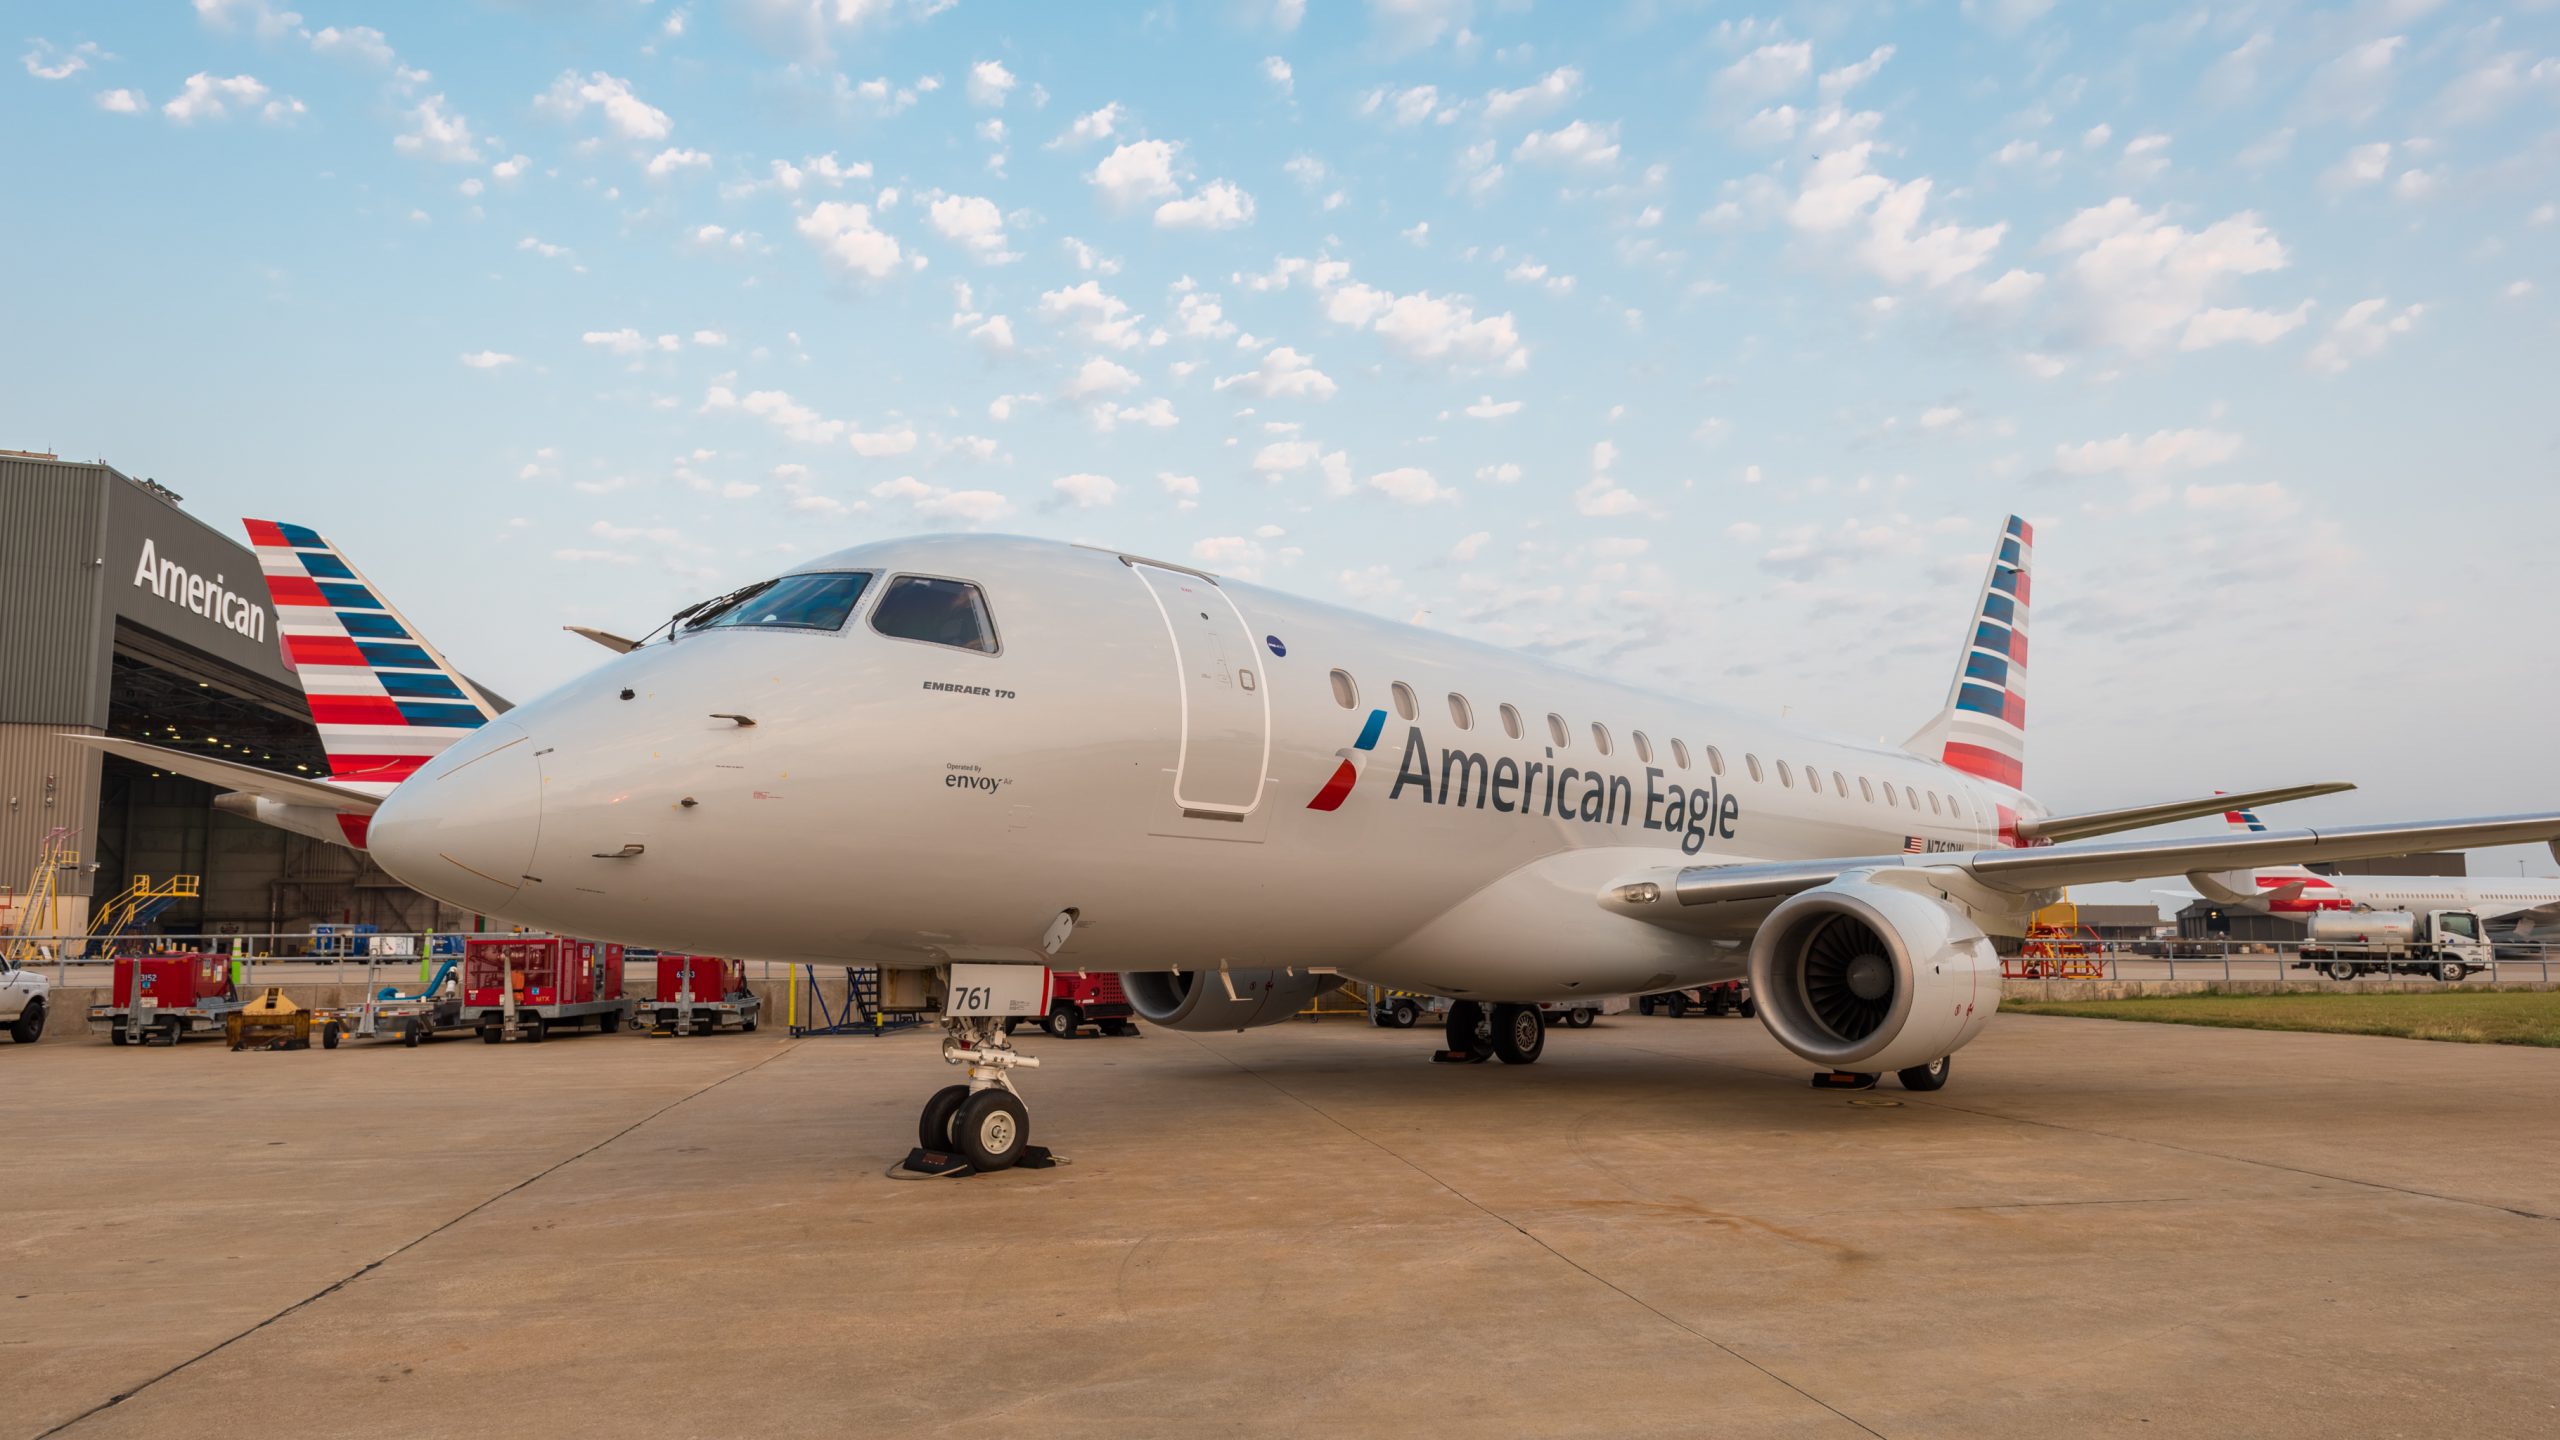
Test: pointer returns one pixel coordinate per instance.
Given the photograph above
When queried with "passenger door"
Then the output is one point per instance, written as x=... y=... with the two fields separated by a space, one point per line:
x=1226 y=710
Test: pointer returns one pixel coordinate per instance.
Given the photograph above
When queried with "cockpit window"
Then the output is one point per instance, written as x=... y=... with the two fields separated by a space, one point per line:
x=937 y=612
x=818 y=601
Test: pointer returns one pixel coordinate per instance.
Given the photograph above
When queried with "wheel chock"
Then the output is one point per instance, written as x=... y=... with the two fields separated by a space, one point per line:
x=1460 y=1057
x=1843 y=1080
x=923 y=1164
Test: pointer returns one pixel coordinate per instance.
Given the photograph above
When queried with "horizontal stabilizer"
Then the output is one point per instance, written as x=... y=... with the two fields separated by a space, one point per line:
x=2138 y=817
x=1728 y=899
x=230 y=775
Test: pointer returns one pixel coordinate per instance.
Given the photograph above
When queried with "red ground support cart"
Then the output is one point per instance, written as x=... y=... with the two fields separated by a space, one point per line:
x=533 y=984
x=1077 y=999
x=166 y=998
x=697 y=994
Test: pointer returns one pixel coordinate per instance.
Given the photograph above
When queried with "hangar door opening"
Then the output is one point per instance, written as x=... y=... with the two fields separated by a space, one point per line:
x=1226 y=713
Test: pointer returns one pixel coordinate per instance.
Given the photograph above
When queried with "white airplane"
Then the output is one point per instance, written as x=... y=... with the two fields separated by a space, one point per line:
x=2521 y=904
x=978 y=755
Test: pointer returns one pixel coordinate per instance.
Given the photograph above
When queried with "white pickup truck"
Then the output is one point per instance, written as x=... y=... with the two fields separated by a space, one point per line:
x=2343 y=944
x=24 y=996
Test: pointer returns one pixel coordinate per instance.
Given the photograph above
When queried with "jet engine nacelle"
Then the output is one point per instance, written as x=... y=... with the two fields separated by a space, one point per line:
x=1858 y=975
x=1222 y=999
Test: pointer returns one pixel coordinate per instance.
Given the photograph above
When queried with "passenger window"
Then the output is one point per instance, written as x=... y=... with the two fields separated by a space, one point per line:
x=1715 y=763
x=1644 y=749
x=1345 y=693
x=794 y=602
x=1600 y=736
x=1786 y=776
x=1461 y=714
x=1679 y=752
x=1890 y=798
x=1406 y=708
x=1556 y=727
x=1511 y=721
x=1813 y=779
x=1913 y=796
x=1933 y=803
x=937 y=612
x=1840 y=783
x=1866 y=791
x=1753 y=761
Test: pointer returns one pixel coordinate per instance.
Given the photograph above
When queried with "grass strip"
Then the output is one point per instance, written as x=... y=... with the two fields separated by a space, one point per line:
x=2470 y=1017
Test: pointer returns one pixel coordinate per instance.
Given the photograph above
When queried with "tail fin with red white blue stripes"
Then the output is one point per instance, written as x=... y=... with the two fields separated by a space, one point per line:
x=1983 y=729
x=384 y=700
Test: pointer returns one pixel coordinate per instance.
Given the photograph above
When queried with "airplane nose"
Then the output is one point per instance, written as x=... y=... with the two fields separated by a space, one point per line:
x=463 y=828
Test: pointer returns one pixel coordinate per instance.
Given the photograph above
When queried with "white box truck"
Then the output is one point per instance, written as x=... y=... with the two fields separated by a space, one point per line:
x=2343 y=944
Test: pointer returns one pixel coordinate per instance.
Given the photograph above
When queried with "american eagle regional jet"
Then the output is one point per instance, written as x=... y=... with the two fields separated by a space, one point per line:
x=978 y=755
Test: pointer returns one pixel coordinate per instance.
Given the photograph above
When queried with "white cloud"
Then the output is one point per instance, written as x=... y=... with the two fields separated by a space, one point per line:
x=213 y=97
x=1836 y=83
x=2254 y=327
x=2006 y=15
x=1486 y=408
x=1282 y=456
x=1422 y=326
x=2268 y=500
x=1185 y=489
x=629 y=342
x=934 y=502
x=48 y=61
x=1554 y=90
x=2415 y=184
x=625 y=113
x=2139 y=282
x=975 y=223
x=1602 y=495
x=361 y=42
x=122 y=102
x=874 y=444
x=1140 y=170
x=989 y=83
x=1285 y=14
x=1086 y=492
x=1199 y=316
x=1403 y=25
x=1218 y=206
x=2361 y=165
x=669 y=161
x=2361 y=334
x=1099 y=316
x=1276 y=70
x=2356 y=83
x=2159 y=451
x=1765 y=74
x=846 y=239
x=1410 y=485
x=778 y=409
x=1283 y=374
x=1505 y=473
x=261 y=16
x=1773 y=126
x=1093 y=125
x=2146 y=158
x=1580 y=145
x=1469 y=547
x=488 y=359
x=1842 y=195
x=1157 y=414
x=1099 y=377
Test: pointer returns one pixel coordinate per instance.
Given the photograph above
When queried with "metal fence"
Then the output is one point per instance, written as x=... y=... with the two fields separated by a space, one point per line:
x=322 y=956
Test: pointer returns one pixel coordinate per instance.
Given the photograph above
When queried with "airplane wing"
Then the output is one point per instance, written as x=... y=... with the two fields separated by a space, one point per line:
x=227 y=775
x=2137 y=817
x=1728 y=901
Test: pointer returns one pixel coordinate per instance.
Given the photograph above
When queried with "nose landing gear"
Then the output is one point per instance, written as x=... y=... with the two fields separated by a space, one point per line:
x=1514 y=1034
x=983 y=1125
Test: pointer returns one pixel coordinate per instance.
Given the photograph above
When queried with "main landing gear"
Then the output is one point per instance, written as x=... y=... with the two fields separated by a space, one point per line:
x=1516 y=1034
x=982 y=1125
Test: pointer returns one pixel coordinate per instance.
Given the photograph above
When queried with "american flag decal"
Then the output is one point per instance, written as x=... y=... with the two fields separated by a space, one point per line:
x=1914 y=845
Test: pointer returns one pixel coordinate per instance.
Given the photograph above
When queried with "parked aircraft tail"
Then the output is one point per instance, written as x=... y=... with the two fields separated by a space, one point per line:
x=384 y=700
x=1983 y=729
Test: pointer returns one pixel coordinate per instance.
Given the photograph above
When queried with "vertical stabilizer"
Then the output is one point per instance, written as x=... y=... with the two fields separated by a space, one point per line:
x=1983 y=729
x=384 y=701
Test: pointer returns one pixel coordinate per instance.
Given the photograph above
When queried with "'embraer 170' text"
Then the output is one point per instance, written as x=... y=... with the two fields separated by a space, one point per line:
x=1535 y=787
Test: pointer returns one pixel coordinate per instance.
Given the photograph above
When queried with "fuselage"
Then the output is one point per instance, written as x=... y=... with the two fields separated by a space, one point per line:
x=1178 y=761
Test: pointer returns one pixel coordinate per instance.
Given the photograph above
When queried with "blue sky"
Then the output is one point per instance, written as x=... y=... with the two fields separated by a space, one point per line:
x=1704 y=343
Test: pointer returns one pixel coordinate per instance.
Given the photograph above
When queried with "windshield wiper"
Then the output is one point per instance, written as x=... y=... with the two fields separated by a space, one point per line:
x=701 y=613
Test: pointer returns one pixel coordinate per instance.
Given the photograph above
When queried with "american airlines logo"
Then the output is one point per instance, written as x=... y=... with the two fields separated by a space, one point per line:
x=187 y=590
x=1470 y=779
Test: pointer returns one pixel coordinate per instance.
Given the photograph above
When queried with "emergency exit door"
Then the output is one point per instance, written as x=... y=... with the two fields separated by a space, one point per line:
x=1226 y=714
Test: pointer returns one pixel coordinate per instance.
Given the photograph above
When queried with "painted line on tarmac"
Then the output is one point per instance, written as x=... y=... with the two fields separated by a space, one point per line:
x=1498 y=1217
x=405 y=1247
